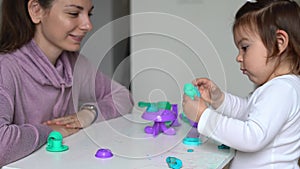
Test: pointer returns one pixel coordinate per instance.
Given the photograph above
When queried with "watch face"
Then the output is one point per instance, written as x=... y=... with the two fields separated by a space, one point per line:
x=90 y=107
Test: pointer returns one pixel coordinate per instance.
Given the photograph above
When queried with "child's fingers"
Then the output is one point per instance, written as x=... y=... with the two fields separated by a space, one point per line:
x=201 y=81
x=185 y=98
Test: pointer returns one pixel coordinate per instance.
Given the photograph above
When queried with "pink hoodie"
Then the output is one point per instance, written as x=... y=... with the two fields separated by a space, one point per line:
x=33 y=91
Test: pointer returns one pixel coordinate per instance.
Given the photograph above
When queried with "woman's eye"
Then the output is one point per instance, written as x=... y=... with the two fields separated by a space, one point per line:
x=73 y=14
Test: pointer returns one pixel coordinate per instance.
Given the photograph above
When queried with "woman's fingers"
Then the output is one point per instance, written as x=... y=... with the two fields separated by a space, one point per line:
x=67 y=121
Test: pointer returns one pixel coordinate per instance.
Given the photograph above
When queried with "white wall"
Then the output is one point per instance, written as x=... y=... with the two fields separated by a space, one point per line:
x=175 y=41
x=104 y=47
x=102 y=14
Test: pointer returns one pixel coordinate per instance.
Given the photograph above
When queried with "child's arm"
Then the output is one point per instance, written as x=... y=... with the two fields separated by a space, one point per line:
x=233 y=106
x=268 y=111
x=214 y=96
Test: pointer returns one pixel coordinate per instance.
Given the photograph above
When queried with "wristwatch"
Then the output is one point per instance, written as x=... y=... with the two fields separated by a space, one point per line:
x=91 y=108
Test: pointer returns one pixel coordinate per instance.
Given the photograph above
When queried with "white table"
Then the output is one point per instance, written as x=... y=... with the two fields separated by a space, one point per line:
x=131 y=146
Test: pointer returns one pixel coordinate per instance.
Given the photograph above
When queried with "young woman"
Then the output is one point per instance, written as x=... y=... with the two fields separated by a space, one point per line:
x=45 y=84
x=264 y=128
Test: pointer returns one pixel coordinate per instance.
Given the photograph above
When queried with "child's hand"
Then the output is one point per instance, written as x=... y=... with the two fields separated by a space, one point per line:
x=193 y=109
x=210 y=92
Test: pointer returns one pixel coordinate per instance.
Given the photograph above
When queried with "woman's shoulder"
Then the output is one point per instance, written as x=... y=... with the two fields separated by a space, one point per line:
x=8 y=60
x=9 y=69
x=10 y=66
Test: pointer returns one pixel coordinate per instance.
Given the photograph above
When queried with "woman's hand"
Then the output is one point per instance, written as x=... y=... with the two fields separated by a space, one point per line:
x=63 y=130
x=210 y=92
x=78 y=120
x=193 y=109
x=72 y=123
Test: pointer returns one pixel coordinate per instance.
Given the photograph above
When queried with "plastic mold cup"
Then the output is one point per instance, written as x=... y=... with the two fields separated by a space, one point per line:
x=192 y=141
x=54 y=142
x=103 y=153
x=160 y=113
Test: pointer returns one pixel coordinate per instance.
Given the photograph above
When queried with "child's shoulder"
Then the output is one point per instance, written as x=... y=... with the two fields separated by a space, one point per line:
x=289 y=80
x=284 y=89
x=281 y=84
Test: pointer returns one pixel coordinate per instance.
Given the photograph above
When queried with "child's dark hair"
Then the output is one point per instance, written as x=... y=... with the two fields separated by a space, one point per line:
x=265 y=17
x=17 y=27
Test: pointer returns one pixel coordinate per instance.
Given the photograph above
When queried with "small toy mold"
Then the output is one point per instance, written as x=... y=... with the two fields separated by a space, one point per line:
x=192 y=141
x=54 y=142
x=103 y=153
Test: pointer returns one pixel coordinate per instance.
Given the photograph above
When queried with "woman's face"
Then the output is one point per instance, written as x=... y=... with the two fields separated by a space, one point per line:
x=64 y=25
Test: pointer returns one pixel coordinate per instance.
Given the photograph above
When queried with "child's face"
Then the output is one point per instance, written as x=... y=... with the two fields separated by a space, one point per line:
x=64 y=25
x=252 y=57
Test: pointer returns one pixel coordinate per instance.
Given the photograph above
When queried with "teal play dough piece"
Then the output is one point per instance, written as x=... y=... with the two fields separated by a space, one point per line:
x=191 y=90
x=223 y=146
x=164 y=105
x=54 y=142
x=155 y=107
x=190 y=141
x=174 y=163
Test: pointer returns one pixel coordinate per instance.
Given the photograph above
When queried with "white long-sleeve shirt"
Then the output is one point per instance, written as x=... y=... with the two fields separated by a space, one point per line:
x=264 y=128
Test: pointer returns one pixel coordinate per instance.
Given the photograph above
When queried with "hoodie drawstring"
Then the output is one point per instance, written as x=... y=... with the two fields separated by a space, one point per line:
x=59 y=103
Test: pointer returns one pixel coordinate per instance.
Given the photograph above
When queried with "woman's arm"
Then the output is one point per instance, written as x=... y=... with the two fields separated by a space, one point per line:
x=17 y=140
x=95 y=88
x=113 y=99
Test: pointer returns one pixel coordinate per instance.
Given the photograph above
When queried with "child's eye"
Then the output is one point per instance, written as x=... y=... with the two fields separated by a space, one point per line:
x=90 y=14
x=244 y=48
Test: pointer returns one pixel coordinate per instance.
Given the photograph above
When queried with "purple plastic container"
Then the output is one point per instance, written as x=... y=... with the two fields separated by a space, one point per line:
x=103 y=153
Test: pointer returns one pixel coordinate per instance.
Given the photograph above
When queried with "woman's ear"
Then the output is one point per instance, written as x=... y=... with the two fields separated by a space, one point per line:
x=282 y=40
x=35 y=11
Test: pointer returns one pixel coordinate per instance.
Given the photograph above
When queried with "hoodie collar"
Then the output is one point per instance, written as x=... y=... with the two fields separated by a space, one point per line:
x=38 y=66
